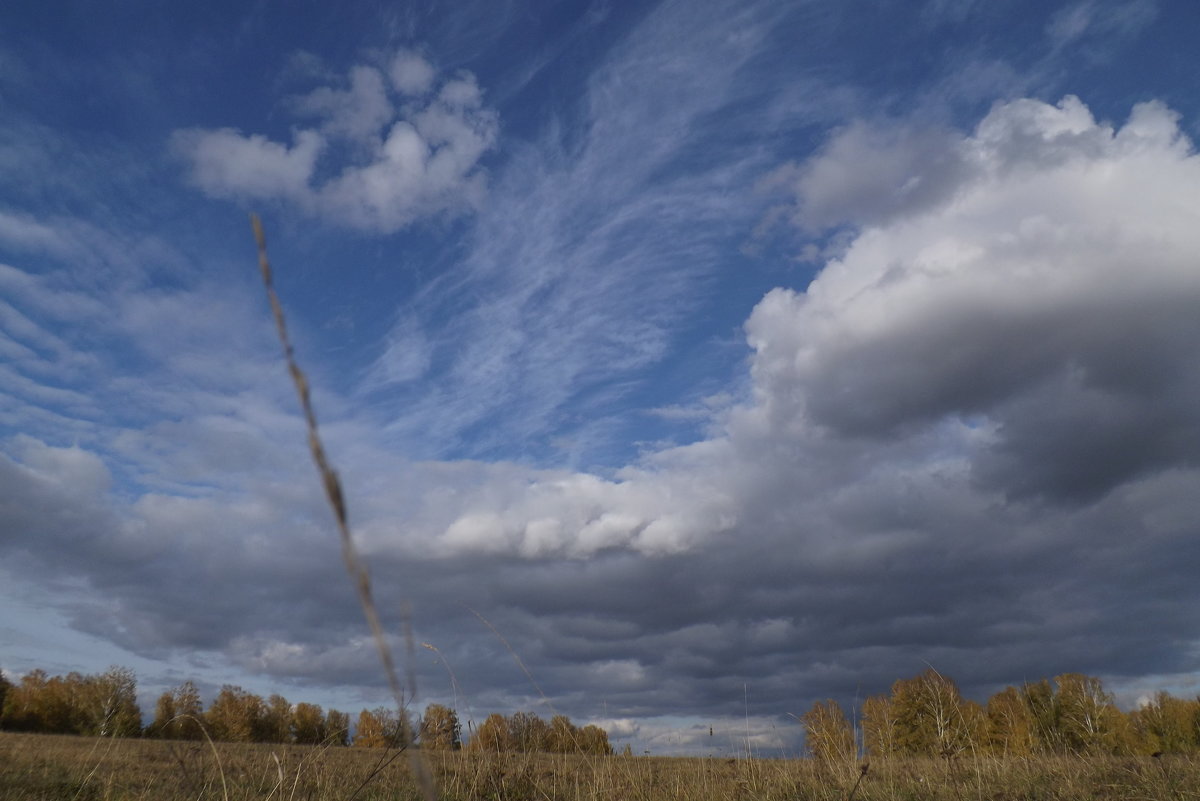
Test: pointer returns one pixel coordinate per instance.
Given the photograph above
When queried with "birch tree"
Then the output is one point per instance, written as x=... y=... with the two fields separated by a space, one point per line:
x=828 y=734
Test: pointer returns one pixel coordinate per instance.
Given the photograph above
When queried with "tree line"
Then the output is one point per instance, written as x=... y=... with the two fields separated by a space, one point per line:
x=106 y=705
x=927 y=716
x=526 y=732
x=439 y=729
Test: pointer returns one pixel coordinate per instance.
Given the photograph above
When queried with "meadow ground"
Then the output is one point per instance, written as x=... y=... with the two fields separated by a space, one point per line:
x=57 y=768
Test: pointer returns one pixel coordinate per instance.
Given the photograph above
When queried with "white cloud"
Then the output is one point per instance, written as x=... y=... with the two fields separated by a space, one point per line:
x=1071 y=22
x=72 y=469
x=417 y=161
x=462 y=92
x=406 y=357
x=1060 y=222
x=549 y=515
x=29 y=234
x=40 y=293
x=874 y=174
x=227 y=164
x=357 y=113
x=1098 y=19
x=410 y=73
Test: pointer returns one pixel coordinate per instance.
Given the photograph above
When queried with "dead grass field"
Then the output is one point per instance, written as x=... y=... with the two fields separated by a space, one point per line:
x=55 y=768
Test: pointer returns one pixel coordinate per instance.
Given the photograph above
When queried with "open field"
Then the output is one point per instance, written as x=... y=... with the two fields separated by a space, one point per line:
x=54 y=768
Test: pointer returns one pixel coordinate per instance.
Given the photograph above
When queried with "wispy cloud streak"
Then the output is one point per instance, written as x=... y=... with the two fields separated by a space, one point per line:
x=599 y=241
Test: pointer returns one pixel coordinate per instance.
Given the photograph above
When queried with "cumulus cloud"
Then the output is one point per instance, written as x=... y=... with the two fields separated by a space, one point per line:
x=410 y=73
x=874 y=174
x=390 y=160
x=578 y=515
x=1046 y=294
x=227 y=164
x=357 y=113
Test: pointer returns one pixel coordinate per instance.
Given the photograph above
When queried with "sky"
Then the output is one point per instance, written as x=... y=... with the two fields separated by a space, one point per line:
x=685 y=363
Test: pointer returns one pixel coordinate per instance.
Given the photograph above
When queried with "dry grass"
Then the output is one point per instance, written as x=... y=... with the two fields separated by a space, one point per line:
x=53 y=768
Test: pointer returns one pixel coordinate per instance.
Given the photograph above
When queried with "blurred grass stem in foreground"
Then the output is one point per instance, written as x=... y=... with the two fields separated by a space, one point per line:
x=337 y=502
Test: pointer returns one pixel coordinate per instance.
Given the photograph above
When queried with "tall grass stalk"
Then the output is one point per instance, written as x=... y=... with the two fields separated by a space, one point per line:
x=337 y=502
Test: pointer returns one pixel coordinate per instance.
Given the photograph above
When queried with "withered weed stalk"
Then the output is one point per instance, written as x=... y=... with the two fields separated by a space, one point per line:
x=337 y=503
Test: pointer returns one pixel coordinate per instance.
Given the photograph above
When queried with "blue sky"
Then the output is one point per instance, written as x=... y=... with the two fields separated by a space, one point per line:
x=725 y=356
